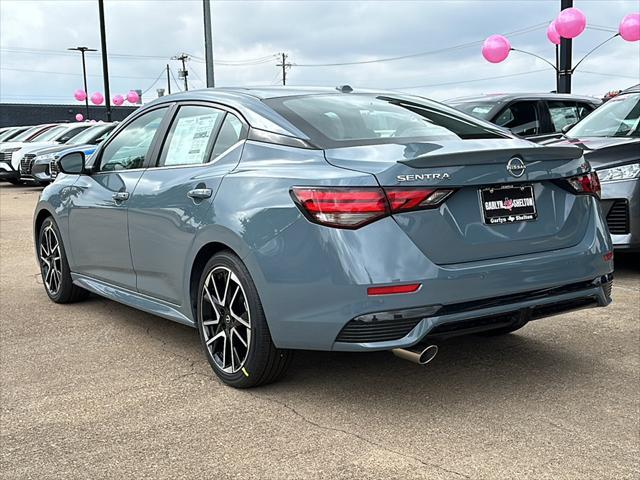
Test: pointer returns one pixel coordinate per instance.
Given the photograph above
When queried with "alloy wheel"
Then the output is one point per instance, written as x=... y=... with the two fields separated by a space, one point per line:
x=226 y=319
x=51 y=260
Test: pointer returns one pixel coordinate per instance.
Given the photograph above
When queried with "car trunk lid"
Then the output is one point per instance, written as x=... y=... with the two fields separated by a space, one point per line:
x=459 y=230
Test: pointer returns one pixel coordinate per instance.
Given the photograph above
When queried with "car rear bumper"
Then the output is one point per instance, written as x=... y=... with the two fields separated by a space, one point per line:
x=310 y=294
x=447 y=321
x=621 y=207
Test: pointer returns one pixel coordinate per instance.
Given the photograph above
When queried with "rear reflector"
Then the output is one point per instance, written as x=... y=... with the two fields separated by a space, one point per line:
x=394 y=289
x=607 y=257
x=346 y=207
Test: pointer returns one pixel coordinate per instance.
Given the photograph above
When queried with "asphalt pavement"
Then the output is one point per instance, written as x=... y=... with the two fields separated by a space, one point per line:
x=100 y=390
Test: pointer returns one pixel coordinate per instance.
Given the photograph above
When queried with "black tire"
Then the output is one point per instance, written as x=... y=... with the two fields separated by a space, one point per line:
x=503 y=330
x=261 y=362
x=61 y=290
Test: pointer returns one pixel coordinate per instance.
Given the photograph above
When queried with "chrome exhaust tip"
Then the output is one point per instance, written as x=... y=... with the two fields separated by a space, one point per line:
x=421 y=357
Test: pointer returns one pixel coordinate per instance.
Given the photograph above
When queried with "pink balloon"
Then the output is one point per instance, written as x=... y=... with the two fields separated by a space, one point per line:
x=496 y=48
x=79 y=117
x=133 y=97
x=80 y=95
x=118 y=100
x=570 y=23
x=552 y=33
x=97 y=98
x=630 y=27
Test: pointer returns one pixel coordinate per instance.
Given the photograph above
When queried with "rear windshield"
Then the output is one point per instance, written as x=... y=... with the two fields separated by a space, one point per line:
x=338 y=120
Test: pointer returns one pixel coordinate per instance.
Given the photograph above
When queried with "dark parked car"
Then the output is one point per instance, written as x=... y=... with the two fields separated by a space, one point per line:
x=610 y=139
x=534 y=116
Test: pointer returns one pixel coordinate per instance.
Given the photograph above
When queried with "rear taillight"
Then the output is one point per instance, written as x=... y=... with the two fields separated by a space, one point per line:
x=346 y=207
x=588 y=184
x=406 y=200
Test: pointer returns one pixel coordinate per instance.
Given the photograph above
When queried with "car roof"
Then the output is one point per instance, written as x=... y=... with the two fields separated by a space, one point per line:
x=248 y=101
x=507 y=97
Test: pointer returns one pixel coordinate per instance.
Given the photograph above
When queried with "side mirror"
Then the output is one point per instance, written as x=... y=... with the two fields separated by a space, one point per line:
x=566 y=128
x=72 y=163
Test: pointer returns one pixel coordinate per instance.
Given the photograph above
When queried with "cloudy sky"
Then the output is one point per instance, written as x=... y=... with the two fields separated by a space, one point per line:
x=439 y=38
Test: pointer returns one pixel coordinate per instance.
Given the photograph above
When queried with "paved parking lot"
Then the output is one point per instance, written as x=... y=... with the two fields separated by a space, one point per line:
x=99 y=390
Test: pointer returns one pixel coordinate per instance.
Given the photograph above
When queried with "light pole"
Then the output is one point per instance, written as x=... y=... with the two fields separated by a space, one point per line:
x=208 y=42
x=82 y=50
x=105 y=63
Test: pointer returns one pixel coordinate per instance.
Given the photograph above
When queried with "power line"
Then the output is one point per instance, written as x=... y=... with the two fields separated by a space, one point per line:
x=50 y=72
x=204 y=85
x=174 y=80
x=472 y=80
x=496 y=77
x=239 y=62
x=461 y=46
x=609 y=74
x=162 y=72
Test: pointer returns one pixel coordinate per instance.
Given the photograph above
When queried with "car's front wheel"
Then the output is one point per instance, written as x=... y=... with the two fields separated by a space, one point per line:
x=54 y=267
x=233 y=328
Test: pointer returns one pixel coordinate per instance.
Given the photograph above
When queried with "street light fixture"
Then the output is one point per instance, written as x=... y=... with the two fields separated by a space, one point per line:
x=82 y=50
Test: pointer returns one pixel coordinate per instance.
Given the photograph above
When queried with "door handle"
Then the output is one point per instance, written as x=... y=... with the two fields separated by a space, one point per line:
x=121 y=196
x=199 y=193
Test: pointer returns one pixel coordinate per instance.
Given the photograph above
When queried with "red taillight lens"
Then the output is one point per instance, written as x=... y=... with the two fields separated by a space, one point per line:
x=394 y=289
x=405 y=199
x=341 y=207
x=346 y=207
x=588 y=184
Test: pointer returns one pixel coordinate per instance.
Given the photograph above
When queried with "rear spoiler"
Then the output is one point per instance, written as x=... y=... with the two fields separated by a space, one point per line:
x=483 y=157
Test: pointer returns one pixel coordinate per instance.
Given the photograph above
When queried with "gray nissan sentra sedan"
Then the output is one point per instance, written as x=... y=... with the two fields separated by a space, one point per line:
x=306 y=218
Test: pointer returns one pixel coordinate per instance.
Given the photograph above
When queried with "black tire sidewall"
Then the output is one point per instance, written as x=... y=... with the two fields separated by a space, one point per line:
x=260 y=344
x=66 y=283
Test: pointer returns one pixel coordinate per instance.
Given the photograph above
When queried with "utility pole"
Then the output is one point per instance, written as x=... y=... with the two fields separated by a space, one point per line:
x=82 y=50
x=105 y=65
x=564 y=74
x=284 y=66
x=208 y=43
x=183 y=73
x=168 y=80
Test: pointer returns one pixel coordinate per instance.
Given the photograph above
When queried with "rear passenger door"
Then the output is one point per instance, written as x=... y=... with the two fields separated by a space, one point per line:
x=172 y=200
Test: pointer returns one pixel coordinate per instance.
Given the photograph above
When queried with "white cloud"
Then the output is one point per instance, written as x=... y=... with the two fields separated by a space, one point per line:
x=310 y=32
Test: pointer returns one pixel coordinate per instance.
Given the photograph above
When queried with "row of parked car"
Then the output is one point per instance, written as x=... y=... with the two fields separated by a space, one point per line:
x=29 y=153
x=608 y=133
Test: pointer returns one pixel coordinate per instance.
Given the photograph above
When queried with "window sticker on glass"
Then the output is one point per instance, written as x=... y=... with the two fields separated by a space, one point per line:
x=190 y=139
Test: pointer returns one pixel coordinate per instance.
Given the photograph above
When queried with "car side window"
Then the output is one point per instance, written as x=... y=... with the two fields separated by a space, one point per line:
x=521 y=118
x=231 y=132
x=584 y=109
x=130 y=147
x=70 y=133
x=563 y=113
x=191 y=136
